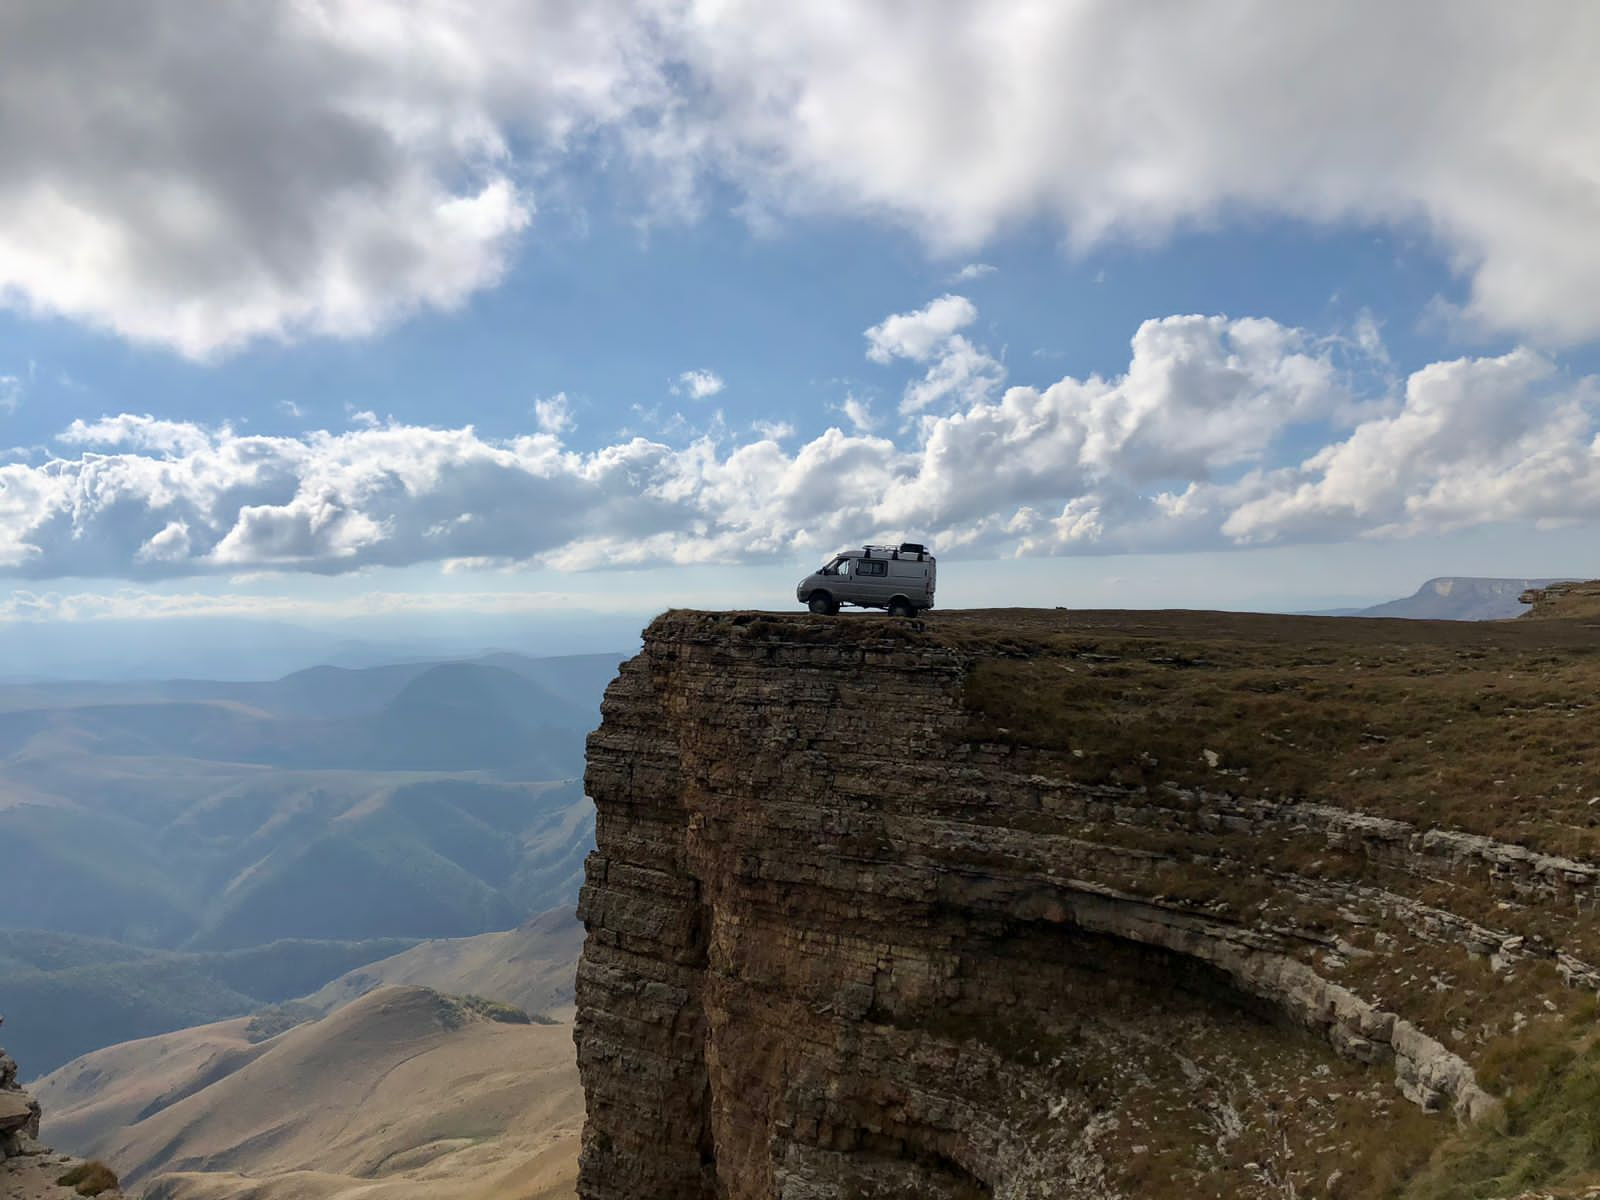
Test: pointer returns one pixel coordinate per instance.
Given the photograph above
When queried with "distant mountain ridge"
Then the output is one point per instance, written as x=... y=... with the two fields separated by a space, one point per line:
x=1455 y=598
x=321 y=691
x=531 y=966
x=188 y=850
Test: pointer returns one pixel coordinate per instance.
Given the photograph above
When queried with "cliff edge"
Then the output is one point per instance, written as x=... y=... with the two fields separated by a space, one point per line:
x=1045 y=904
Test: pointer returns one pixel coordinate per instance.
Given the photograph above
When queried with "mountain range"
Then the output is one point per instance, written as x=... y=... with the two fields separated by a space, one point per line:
x=177 y=852
x=1453 y=598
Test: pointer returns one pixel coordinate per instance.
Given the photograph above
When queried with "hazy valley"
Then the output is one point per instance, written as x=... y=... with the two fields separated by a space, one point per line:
x=185 y=851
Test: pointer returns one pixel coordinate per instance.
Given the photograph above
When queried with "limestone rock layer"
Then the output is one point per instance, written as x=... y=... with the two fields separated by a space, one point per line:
x=847 y=940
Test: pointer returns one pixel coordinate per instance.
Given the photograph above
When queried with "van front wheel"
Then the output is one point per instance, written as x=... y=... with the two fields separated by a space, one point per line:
x=822 y=603
x=901 y=608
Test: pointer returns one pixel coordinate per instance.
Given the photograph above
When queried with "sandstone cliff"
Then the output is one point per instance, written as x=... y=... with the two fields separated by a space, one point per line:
x=1068 y=905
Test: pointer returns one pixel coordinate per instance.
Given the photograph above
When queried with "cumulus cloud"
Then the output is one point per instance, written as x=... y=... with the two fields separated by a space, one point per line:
x=1470 y=122
x=919 y=335
x=1183 y=449
x=200 y=176
x=553 y=414
x=959 y=370
x=971 y=271
x=698 y=385
x=1477 y=440
x=859 y=413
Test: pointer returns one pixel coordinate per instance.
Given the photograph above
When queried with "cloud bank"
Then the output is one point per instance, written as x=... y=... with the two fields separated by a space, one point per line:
x=1181 y=451
x=203 y=176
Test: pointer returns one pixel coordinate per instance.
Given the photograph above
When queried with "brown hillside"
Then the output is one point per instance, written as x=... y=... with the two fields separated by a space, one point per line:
x=530 y=967
x=404 y=1094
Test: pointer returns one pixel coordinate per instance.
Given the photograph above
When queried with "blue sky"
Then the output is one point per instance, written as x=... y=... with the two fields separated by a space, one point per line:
x=405 y=307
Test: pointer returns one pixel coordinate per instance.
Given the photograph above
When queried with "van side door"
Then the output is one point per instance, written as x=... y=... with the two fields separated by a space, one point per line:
x=873 y=584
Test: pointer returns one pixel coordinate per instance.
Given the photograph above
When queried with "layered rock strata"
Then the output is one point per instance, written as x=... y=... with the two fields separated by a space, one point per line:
x=841 y=945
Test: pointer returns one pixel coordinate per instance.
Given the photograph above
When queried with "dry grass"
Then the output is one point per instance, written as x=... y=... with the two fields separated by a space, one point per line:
x=90 y=1179
x=1488 y=728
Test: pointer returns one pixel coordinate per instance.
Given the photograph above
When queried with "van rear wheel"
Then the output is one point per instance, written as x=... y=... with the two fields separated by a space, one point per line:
x=902 y=608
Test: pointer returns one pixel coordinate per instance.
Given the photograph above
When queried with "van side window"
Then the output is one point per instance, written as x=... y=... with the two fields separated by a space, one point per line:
x=873 y=566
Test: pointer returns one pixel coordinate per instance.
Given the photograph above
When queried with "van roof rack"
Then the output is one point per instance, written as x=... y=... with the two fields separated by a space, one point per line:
x=906 y=548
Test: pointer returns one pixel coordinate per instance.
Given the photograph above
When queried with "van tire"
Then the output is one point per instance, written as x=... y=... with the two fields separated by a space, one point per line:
x=901 y=607
x=821 y=602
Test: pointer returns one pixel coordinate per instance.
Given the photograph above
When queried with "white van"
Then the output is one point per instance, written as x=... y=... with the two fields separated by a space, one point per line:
x=899 y=578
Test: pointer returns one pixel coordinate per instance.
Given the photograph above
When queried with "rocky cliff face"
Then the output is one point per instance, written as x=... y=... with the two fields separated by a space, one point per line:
x=28 y=1169
x=1050 y=905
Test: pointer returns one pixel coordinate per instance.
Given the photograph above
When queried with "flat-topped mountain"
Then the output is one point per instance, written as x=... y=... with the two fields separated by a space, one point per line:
x=1458 y=598
x=1089 y=904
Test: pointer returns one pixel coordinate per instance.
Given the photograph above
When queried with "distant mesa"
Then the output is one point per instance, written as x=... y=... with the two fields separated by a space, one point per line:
x=1457 y=598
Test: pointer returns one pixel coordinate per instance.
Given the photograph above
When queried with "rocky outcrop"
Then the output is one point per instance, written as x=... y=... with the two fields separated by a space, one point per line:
x=29 y=1170
x=19 y=1113
x=1571 y=599
x=843 y=940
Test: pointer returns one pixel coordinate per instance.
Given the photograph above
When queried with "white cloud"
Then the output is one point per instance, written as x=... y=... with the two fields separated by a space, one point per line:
x=921 y=334
x=10 y=393
x=1473 y=124
x=1477 y=440
x=698 y=385
x=974 y=270
x=1180 y=451
x=202 y=176
x=554 y=413
x=859 y=413
x=959 y=372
